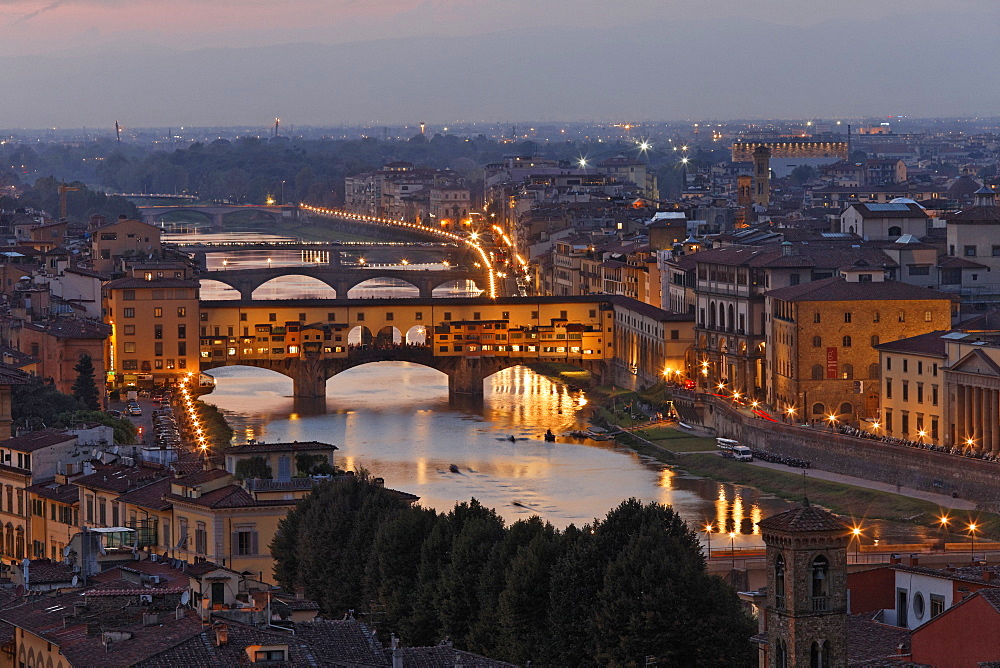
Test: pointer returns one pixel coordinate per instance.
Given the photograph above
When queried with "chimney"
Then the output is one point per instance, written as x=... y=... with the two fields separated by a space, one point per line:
x=914 y=560
x=895 y=559
x=988 y=574
x=221 y=634
x=786 y=247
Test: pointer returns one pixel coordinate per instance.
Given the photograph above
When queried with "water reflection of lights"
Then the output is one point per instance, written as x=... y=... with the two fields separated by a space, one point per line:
x=734 y=513
x=666 y=480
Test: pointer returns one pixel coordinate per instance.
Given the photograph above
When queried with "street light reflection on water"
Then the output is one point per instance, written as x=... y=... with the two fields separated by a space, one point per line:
x=394 y=419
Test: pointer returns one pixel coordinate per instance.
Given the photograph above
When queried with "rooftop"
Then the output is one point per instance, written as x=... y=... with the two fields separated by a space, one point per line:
x=36 y=440
x=930 y=344
x=839 y=289
x=295 y=446
x=803 y=519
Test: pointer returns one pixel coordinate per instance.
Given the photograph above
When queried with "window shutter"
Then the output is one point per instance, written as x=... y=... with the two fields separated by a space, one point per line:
x=235 y=548
x=254 y=544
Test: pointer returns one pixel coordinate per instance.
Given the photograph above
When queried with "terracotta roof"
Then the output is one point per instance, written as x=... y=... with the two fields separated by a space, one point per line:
x=122 y=479
x=68 y=493
x=987 y=322
x=868 y=640
x=149 y=496
x=130 y=282
x=200 y=477
x=342 y=642
x=200 y=650
x=45 y=571
x=230 y=496
x=930 y=343
x=36 y=440
x=976 y=215
x=880 y=211
x=838 y=289
x=45 y=618
x=71 y=328
x=84 y=271
x=443 y=656
x=803 y=519
x=296 y=446
x=955 y=262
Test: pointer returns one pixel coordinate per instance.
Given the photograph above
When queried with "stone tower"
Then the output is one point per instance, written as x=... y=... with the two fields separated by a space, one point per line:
x=762 y=176
x=806 y=604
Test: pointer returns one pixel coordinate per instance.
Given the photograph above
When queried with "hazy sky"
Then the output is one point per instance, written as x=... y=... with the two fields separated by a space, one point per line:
x=547 y=51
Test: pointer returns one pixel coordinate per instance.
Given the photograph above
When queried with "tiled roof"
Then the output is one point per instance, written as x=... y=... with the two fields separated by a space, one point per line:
x=122 y=479
x=45 y=571
x=803 y=519
x=976 y=215
x=987 y=322
x=230 y=496
x=72 y=328
x=296 y=446
x=149 y=496
x=84 y=271
x=200 y=650
x=900 y=211
x=201 y=477
x=131 y=282
x=68 y=493
x=930 y=343
x=839 y=289
x=955 y=262
x=868 y=640
x=443 y=656
x=342 y=642
x=36 y=440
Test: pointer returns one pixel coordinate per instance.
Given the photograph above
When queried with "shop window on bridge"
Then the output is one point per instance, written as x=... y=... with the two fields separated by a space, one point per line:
x=272 y=317
x=443 y=349
x=459 y=349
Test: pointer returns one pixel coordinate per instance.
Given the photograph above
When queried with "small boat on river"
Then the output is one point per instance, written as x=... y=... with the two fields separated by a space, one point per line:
x=453 y=468
x=549 y=436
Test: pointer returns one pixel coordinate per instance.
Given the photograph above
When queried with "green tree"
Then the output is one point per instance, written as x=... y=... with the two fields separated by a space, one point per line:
x=253 y=467
x=125 y=431
x=84 y=388
x=803 y=174
x=37 y=403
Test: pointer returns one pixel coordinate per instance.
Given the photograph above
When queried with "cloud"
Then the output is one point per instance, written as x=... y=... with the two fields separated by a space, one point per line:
x=30 y=15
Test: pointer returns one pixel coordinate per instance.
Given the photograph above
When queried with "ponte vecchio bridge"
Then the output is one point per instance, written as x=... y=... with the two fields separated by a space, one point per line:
x=469 y=339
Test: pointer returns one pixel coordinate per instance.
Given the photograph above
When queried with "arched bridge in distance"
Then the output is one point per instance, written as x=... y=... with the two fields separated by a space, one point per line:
x=341 y=278
x=468 y=339
x=216 y=213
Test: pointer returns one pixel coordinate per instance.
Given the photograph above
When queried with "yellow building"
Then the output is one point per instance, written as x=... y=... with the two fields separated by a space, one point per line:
x=913 y=388
x=822 y=337
x=154 y=330
x=122 y=240
x=54 y=516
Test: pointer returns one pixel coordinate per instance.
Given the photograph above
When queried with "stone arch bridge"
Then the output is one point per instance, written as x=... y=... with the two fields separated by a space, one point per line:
x=309 y=373
x=216 y=213
x=340 y=278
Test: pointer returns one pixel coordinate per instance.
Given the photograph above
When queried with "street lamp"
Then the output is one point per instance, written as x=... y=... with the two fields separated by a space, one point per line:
x=225 y=264
x=708 y=529
x=943 y=521
x=856 y=536
x=268 y=263
x=972 y=534
x=732 y=547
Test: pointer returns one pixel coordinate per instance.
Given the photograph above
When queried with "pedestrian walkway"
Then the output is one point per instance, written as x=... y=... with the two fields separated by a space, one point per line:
x=942 y=500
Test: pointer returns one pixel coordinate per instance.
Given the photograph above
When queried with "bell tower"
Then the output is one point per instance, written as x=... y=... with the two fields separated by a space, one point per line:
x=806 y=604
x=762 y=176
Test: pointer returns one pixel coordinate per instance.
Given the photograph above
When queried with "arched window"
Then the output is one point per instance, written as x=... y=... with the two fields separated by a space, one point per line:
x=817 y=341
x=847 y=370
x=731 y=320
x=819 y=409
x=873 y=371
x=817 y=372
x=820 y=583
x=875 y=340
x=847 y=342
x=818 y=657
x=846 y=408
x=779 y=582
x=711 y=315
x=781 y=655
x=895 y=231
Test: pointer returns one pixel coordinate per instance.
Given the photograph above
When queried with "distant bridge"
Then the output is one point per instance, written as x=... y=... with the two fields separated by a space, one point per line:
x=233 y=247
x=340 y=278
x=155 y=196
x=216 y=213
x=791 y=148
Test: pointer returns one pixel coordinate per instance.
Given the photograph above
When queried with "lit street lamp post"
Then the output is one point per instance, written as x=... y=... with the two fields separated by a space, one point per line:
x=972 y=534
x=732 y=547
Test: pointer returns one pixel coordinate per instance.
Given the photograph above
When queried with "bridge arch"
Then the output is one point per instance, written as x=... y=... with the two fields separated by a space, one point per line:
x=360 y=336
x=157 y=218
x=305 y=286
x=213 y=290
x=366 y=287
x=459 y=287
x=416 y=335
x=388 y=335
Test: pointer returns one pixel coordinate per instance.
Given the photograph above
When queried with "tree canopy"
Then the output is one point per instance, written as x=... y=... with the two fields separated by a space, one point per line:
x=626 y=587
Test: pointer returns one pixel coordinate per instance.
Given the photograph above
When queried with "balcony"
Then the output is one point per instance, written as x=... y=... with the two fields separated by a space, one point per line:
x=820 y=603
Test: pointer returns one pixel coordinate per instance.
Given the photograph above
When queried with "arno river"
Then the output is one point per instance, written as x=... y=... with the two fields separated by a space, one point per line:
x=394 y=419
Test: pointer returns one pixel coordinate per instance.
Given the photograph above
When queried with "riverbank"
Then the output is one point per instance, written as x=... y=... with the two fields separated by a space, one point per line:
x=696 y=456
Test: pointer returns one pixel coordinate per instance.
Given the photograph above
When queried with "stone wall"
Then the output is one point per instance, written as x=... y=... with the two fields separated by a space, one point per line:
x=972 y=479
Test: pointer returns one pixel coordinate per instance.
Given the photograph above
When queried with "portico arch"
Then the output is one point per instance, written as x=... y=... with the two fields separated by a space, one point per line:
x=360 y=336
x=416 y=335
x=457 y=288
x=388 y=335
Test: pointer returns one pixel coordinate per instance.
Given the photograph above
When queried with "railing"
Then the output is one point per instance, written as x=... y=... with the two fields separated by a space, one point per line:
x=265 y=484
x=820 y=603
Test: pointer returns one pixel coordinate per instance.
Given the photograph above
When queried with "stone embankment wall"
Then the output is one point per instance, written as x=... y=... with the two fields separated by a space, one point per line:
x=972 y=479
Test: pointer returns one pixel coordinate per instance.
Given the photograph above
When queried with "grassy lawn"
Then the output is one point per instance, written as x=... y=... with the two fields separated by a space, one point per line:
x=846 y=500
x=689 y=444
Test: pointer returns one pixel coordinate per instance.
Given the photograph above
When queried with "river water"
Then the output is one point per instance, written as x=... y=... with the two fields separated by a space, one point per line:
x=394 y=419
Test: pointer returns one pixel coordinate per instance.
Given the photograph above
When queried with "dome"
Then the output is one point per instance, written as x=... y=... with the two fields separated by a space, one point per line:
x=904 y=200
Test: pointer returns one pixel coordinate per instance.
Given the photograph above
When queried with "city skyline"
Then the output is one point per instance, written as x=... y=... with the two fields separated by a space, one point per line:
x=91 y=64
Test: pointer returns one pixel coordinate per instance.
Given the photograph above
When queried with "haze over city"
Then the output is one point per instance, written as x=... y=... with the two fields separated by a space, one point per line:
x=79 y=63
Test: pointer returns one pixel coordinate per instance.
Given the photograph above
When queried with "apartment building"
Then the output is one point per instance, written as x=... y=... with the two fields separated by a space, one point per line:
x=913 y=393
x=121 y=240
x=154 y=335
